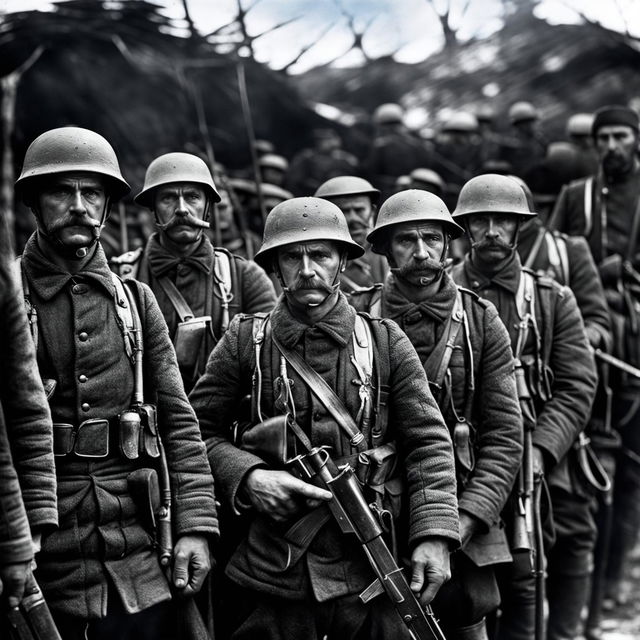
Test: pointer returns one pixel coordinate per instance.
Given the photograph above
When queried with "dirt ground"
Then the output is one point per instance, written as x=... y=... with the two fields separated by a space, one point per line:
x=624 y=622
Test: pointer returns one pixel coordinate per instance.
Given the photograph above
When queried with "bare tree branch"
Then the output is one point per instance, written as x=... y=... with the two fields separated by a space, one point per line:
x=450 y=34
x=307 y=48
x=192 y=27
x=275 y=27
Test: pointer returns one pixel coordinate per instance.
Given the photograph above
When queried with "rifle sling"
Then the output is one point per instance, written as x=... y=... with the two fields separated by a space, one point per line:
x=324 y=393
x=175 y=297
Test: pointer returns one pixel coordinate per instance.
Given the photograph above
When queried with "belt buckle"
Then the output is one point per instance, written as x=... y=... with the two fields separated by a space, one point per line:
x=92 y=439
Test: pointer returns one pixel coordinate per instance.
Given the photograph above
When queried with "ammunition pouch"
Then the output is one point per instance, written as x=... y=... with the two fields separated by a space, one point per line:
x=144 y=489
x=463 y=451
x=270 y=439
x=188 y=342
x=538 y=377
x=131 y=434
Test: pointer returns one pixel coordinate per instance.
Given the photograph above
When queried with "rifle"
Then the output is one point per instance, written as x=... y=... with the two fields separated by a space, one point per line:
x=353 y=515
x=623 y=366
x=190 y=622
x=32 y=620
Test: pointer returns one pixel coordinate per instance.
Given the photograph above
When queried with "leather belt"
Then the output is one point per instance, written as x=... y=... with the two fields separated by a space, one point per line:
x=94 y=438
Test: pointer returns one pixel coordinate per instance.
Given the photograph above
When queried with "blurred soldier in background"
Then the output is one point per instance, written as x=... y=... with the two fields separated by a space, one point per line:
x=527 y=144
x=199 y=288
x=394 y=151
x=273 y=169
x=557 y=381
x=358 y=201
x=326 y=159
x=427 y=180
x=104 y=349
x=299 y=575
x=579 y=127
x=466 y=353
x=605 y=208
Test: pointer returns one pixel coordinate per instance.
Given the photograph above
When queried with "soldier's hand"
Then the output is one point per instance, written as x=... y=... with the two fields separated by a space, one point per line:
x=430 y=568
x=280 y=495
x=13 y=578
x=191 y=563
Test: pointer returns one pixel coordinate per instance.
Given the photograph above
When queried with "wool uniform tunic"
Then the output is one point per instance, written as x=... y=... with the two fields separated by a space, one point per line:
x=331 y=565
x=101 y=544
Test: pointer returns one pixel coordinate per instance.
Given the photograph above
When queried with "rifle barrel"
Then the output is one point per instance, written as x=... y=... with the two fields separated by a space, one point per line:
x=607 y=358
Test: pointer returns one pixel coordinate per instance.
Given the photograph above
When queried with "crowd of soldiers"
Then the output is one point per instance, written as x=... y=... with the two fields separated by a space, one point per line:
x=343 y=400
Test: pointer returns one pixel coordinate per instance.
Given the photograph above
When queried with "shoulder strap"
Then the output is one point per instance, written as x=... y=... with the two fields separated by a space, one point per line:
x=559 y=256
x=222 y=265
x=363 y=346
x=588 y=206
x=533 y=254
x=324 y=393
x=633 y=236
x=175 y=297
x=125 y=308
x=525 y=301
x=32 y=312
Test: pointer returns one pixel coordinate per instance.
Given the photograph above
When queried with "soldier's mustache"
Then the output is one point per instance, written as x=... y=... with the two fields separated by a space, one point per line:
x=494 y=243
x=73 y=221
x=180 y=221
x=417 y=267
x=302 y=284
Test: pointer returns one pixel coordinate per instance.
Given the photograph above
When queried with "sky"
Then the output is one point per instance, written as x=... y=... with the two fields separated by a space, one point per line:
x=407 y=28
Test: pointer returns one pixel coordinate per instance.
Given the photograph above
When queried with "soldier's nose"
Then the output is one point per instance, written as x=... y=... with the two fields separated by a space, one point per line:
x=181 y=208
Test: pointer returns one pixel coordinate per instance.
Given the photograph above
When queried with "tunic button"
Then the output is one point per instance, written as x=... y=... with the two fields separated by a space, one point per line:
x=317 y=416
x=82 y=378
x=79 y=288
x=183 y=270
x=475 y=284
x=83 y=336
x=85 y=406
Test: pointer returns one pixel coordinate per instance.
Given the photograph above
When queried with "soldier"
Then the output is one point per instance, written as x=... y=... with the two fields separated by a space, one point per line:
x=579 y=127
x=605 y=208
x=568 y=261
x=28 y=504
x=325 y=159
x=199 y=288
x=273 y=168
x=557 y=381
x=427 y=180
x=235 y=235
x=394 y=151
x=299 y=576
x=100 y=572
x=528 y=143
x=466 y=354
x=358 y=201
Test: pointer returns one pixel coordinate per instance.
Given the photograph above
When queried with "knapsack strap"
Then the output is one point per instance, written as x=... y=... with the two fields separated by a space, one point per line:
x=175 y=297
x=323 y=392
x=588 y=206
x=535 y=249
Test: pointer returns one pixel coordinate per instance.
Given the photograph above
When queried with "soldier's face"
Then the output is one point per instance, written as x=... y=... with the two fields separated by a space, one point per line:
x=309 y=271
x=180 y=207
x=493 y=235
x=417 y=250
x=359 y=214
x=617 y=146
x=225 y=211
x=71 y=207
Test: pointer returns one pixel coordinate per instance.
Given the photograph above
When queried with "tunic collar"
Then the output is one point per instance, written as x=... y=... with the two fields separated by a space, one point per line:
x=438 y=307
x=47 y=279
x=507 y=278
x=161 y=260
x=338 y=324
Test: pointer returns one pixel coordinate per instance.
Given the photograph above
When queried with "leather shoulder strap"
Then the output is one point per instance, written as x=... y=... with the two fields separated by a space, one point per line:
x=588 y=206
x=324 y=393
x=175 y=297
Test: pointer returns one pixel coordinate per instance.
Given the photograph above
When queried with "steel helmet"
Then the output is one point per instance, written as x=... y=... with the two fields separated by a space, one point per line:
x=522 y=111
x=580 y=124
x=462 y=121
x=492 y=193
x=485 y=113
x=387 y=113
x=72 y=149
x=302 y=220
x=426 y=176
x=273 y=161
x=347 y=186
x=176 y=167
x=411 y=205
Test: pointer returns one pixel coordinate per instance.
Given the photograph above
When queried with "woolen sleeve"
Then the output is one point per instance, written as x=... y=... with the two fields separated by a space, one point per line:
x=258 y=294
x=574 y=379
x=423 y=442
x=28 y=418
x=15 y=536
x=216 y=399
x=498 y=434
x=191 y=479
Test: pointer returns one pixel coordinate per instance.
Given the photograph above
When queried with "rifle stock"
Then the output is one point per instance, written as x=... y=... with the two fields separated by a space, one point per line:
x=353 y=514
x=32 y=620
